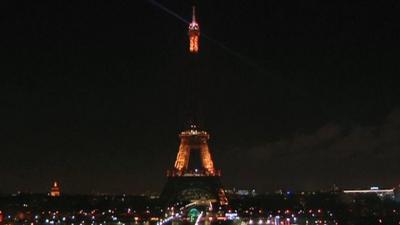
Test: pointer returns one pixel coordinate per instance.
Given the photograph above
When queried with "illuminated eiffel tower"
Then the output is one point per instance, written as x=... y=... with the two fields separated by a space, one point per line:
x=187 y=184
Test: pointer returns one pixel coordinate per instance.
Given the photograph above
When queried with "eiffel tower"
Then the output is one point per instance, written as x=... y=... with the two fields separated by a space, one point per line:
x=188 y=184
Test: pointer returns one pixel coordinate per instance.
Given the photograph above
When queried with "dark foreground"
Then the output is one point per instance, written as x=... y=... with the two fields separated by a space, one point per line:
x=281 y=208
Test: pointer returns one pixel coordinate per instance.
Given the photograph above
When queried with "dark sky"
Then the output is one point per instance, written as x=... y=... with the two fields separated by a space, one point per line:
x=296 y=95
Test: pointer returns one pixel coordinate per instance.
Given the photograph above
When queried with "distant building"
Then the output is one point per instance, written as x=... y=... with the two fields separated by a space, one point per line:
x=55 y=190
x=397 y=194
x=381 y=193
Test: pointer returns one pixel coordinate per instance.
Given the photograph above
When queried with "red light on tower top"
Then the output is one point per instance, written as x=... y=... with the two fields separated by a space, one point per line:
x=194 y=34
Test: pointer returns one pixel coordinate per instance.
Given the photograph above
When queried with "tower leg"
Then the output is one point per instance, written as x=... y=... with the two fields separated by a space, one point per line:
x=206 y=159
x=182 y=159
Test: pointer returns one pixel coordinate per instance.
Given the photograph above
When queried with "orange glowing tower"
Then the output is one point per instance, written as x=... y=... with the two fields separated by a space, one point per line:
x=200 y=183
x=55 y=190
x=194 y=34
x=194 y=139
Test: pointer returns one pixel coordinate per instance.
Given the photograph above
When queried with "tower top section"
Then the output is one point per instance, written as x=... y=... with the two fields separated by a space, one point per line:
x=194 y=34
x=194 y=25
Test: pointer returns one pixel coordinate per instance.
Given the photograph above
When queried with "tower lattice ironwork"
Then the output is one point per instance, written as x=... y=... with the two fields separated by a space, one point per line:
x=194 y=139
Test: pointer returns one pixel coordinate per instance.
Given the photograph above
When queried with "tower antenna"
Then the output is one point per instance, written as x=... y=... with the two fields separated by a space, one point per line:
x=194 y=14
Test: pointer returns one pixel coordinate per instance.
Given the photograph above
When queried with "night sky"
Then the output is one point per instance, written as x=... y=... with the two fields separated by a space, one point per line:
x=297 y=95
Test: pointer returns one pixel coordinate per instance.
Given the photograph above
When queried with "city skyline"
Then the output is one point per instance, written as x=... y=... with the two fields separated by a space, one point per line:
x=295 y=97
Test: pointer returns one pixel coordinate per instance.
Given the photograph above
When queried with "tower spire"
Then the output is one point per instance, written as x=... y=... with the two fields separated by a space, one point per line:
x=194 y=14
